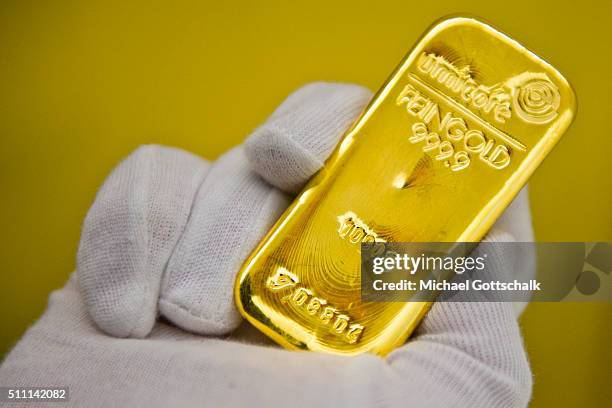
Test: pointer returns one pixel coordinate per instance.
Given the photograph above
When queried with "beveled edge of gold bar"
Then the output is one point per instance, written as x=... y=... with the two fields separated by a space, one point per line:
x=474 y=233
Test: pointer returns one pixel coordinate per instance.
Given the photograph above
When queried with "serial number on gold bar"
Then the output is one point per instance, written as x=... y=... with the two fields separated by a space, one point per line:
x=440 y=151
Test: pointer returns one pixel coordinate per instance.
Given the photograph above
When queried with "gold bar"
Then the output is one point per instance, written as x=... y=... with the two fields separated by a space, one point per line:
x=438 y=154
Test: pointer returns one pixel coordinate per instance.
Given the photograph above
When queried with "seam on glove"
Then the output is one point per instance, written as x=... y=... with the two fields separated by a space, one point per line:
x=144 y=187
x=204 y=317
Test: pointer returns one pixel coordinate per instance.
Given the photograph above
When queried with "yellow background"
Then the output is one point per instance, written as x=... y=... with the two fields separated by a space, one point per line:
x=83 y=83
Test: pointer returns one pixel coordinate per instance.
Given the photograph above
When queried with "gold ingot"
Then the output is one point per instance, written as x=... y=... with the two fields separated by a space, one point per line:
x=437 y=155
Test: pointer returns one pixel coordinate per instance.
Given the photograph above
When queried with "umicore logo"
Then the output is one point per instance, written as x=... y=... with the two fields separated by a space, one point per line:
x=533 y=96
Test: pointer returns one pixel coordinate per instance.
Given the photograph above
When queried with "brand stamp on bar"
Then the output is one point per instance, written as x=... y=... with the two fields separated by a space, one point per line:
x=458 y=117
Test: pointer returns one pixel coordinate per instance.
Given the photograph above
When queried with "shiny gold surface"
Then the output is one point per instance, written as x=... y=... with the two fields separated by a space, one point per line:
x=438 y=154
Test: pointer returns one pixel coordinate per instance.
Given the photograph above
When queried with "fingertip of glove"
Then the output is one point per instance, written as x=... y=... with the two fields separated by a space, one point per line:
x=299 y=136
x=279 y=160
x=118 y=317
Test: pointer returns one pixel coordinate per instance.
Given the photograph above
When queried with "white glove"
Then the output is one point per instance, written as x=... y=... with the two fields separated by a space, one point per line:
x=166 y=236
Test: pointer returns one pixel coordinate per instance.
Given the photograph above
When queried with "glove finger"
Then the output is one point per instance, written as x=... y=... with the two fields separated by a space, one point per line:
x=514 y=226
x=129 y=233
x=467 y=341
x=233 y=210
x=470 y=351
x=296 y=140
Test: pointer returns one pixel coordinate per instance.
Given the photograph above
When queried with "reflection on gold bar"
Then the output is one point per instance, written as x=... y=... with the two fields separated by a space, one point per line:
x=438 y=154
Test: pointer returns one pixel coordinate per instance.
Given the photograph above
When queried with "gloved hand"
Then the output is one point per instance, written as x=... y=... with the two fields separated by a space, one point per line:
x=166 y=236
